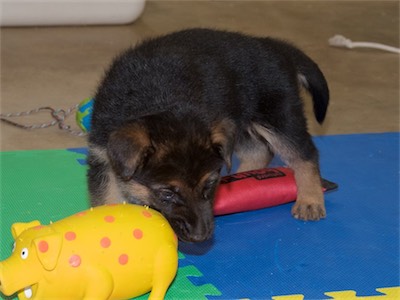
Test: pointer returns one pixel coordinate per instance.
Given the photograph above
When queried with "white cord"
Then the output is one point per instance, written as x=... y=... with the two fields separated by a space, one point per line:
x=341 y=41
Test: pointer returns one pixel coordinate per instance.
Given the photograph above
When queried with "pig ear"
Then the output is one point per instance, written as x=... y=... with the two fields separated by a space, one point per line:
x=18 y=228
x=48 y=249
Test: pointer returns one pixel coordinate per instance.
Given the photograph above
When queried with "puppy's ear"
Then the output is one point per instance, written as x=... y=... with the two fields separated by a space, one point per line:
x=223 y=135
x=129 y=148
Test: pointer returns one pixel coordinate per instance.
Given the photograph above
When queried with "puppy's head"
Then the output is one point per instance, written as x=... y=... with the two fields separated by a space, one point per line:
x=173 y=167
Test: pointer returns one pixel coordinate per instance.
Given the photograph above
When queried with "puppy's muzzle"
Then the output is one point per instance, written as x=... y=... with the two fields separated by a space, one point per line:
x=193 y=230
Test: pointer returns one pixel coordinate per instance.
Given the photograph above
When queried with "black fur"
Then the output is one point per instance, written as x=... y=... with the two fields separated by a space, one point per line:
x=183 y=103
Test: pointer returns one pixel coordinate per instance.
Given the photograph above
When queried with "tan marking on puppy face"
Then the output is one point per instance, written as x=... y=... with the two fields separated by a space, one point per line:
x=178 y=184
x=108 y=190
x=183 y=186
x=115 y=190
x=137 y=193
x=161 y=150
x=112 y=191
x=210 y=176
x=208 y=184
x=99 y=153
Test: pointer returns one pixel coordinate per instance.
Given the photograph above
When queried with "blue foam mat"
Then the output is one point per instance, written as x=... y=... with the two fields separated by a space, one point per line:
x=266 y=253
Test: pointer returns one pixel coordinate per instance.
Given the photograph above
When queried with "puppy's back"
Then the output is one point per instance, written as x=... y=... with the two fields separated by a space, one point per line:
x=199 y=71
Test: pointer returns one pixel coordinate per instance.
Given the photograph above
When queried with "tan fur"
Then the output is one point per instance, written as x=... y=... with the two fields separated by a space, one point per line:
x=132 y=134
x=223 y=133
x=112 y=192
x=255 y=154
x=140 y=193
x=310 y=200
x=276 y=144
x=110 y=187
x=113 y=189
x=99 y=153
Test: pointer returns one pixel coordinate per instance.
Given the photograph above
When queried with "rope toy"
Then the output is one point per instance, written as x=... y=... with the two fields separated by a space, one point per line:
x=341 y=41
x=59 y=116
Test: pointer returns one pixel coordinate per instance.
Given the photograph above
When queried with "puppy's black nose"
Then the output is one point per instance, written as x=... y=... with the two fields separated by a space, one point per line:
x=188 y=233
x=197 y=238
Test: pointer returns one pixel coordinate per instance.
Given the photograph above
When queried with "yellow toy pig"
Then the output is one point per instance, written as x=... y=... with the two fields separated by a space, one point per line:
x=108 y=252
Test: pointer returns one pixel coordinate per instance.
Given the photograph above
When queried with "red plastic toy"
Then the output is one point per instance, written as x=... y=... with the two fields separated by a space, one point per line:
x=258 y=189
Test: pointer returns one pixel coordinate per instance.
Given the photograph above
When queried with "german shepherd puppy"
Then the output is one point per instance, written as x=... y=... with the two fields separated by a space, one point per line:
x=171 y=111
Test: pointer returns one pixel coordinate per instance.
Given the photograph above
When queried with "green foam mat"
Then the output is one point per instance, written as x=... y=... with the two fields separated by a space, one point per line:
x=44 y=185
x=48 y=185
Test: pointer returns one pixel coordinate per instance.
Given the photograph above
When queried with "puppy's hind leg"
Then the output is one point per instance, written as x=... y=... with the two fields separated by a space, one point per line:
x=310 y=199
x=300 y=154
x=253 y=154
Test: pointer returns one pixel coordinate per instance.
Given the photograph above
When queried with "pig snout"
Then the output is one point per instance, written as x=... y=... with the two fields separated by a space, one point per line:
x=1 y=278
x=3 y=287
x=17 y=274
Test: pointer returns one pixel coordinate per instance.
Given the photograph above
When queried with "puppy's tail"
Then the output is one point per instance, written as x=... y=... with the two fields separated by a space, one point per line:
x=311 y=77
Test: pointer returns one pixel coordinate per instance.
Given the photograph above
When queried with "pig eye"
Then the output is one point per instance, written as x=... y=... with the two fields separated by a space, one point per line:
x=24 y=253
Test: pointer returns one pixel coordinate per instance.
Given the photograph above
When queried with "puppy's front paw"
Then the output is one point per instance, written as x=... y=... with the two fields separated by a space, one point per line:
x=308 y=211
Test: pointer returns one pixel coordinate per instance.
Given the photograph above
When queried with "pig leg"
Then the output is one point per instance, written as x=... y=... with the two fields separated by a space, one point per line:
x=166 y=264
x=99 y=284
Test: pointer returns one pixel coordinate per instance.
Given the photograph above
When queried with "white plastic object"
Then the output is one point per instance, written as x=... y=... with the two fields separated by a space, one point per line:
x=69 y=12
x=341 y=41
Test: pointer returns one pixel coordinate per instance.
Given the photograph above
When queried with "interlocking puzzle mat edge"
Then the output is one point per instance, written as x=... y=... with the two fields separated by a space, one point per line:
x=60 y=186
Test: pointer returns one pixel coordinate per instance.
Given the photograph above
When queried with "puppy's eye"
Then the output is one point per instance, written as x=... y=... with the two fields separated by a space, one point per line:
x=209 y=188
x=167 y=196
x=207 y=194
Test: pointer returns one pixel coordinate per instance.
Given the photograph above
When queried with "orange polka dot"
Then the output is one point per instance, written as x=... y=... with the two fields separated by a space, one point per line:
x=123 y=259
x=70 y=236
x=75 y=261
x=80 y=214
x=105 y=242
x=138 y=234
x=43 y=246
x=109 y=219
x=38 y=227
x=147 y=214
